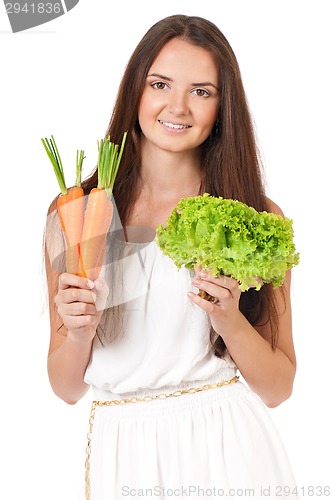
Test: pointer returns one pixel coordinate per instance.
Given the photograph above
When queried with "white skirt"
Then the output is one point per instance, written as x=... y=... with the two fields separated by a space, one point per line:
x=215 y=443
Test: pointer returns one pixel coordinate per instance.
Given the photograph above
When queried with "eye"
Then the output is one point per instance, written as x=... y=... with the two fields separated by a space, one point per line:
x=159 y=85
x=201 y=92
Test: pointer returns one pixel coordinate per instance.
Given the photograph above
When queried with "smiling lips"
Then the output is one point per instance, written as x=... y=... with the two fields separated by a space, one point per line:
x=174 y=126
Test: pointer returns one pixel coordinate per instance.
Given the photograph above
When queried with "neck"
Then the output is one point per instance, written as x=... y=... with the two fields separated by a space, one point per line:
x=167 y=175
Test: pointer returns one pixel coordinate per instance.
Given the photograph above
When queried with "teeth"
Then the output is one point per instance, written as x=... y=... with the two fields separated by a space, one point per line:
x=172 y=125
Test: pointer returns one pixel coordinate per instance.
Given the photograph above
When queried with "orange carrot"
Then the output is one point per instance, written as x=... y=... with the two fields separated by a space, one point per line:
x=70 y=208
x=99 y=210
x=98 y=218
x=70 y=205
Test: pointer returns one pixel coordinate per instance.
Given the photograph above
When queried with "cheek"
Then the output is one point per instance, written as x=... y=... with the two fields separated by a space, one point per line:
x=149 y=107
x=209 y=116
x=206 y=119
x=205 y=112
x=141 y=110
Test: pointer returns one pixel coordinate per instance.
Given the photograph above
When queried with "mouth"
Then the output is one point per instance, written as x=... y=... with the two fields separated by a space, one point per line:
x=174 y=126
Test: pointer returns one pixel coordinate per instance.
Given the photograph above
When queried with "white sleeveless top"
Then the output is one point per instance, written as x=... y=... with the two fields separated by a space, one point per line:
x=165 y=338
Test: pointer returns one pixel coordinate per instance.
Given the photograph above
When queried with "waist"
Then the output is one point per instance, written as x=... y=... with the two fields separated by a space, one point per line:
x=222 y=377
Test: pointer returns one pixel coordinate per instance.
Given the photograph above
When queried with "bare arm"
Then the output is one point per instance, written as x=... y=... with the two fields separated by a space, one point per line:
x=270 y=373
x=75 y=311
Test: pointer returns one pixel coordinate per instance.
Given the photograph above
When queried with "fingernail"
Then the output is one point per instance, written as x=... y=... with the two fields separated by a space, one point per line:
x=202 y=274
x=90 y=284
x=196 y=282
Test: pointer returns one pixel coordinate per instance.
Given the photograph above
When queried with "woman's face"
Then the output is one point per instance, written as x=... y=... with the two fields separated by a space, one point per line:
x=180 y=100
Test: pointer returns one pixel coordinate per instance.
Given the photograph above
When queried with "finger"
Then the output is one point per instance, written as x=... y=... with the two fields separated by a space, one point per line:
x=71 y=295
x=67 y=280
x=207 y=306
x=78 y=309
x=198 y=269
x=79 y=322
x=222 y=280
x=218 y=291
x=102 y=291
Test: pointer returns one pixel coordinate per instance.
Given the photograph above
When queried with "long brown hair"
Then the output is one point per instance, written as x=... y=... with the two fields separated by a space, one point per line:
x=231 y=165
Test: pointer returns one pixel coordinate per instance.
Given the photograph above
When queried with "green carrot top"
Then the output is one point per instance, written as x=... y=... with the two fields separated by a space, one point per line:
x=109 y=158
x=54 y=156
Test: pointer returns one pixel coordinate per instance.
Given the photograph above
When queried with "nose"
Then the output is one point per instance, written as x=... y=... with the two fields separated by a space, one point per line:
x=178 y=102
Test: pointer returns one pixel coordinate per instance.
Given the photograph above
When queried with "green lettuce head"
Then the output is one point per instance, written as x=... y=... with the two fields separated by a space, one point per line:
x=228 y=237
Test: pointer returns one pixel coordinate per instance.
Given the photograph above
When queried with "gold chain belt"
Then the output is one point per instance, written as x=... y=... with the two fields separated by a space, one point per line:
x=144 y=399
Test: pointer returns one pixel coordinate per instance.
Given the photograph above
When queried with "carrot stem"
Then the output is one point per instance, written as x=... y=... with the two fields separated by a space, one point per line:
x=54 y=156
x=119 y=156
x=79 y=164
x=108 y=162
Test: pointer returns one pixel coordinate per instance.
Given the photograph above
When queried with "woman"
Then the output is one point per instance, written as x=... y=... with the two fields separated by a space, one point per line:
x=182 y=100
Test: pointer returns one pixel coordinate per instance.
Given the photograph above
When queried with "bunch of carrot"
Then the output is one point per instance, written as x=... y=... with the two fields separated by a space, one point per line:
x=85 y=228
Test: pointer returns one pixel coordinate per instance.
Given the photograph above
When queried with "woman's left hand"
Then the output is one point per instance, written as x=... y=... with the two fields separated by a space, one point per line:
x=223 y=310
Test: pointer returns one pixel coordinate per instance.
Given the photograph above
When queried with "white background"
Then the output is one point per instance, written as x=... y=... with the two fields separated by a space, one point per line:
x=61 y=78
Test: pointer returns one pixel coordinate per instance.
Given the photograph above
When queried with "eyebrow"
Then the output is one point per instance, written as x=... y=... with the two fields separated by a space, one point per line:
x=199 y=84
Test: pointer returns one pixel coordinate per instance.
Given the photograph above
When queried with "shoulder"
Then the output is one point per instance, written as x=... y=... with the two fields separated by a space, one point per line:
x=273 y=207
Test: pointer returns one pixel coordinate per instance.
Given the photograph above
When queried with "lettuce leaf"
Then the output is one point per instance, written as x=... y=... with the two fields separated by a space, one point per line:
x=228 y=237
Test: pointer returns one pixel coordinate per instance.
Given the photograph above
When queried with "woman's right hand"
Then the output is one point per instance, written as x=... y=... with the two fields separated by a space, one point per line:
x=80 y=304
